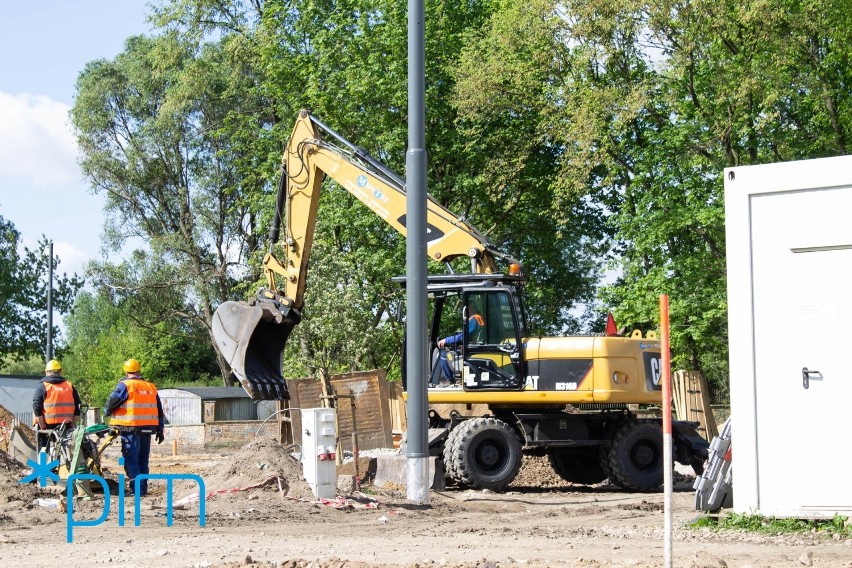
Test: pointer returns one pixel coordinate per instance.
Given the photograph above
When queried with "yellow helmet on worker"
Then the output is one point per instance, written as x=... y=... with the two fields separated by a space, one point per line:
x=132 y=366
x=53 y=365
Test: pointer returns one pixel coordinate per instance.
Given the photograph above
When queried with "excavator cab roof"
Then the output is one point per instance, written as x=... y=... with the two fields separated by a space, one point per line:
x=445 y=282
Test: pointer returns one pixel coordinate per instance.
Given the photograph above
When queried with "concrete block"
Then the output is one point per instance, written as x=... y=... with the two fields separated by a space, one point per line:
x=346 y=484
x=21 y=448
x=394 y=469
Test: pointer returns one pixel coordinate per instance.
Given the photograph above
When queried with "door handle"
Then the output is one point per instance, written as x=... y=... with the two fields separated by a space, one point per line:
x=806 y=377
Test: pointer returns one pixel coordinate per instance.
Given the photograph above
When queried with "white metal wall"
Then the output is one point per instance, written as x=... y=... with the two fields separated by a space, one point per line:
x=181 y=407
x=16 y=396
x=265 y=409
x=789 y=246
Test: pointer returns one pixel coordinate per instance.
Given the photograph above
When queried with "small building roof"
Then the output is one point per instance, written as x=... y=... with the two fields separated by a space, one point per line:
x=212 y=393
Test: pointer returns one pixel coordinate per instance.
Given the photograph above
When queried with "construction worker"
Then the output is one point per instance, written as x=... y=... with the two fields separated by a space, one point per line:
x=474 y=324
x=137 y=412
x=55 y=401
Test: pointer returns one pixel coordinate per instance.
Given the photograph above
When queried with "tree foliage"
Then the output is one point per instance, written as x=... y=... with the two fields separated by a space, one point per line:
x=579 y=136
x=24 y=284
x=645 y=104
x=163 y=130
x=109 y=326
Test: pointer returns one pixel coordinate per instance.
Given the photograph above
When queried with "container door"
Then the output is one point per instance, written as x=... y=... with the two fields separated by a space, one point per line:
x=802 y=294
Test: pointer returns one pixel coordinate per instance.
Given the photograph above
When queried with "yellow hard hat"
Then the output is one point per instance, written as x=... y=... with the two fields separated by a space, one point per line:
x=53 y=365
x=132 y=366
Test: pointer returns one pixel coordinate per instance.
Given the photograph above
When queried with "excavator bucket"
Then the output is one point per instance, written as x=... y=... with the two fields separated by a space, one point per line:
x=252 y=338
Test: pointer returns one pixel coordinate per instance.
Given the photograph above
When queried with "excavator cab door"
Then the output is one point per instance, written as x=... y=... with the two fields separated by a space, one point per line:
x=492 y=353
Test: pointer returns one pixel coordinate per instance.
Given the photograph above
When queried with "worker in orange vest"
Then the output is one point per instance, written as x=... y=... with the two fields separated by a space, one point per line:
x=55 y=401
x=137 y=412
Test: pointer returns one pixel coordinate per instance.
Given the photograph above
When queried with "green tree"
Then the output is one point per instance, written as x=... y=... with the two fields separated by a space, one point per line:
x=109 y=326
x=510 y=84
x=350 y=67
x=32 y=366
x=162 y=131
x=644 y=104
x=24 y=283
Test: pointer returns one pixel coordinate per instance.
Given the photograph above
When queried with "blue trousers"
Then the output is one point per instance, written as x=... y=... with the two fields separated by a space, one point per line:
x=446 y=370
x=136 y=449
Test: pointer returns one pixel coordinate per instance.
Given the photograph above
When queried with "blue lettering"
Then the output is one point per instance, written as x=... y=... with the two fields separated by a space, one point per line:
x=69 y=515
x=170 y=477
x=137 y=521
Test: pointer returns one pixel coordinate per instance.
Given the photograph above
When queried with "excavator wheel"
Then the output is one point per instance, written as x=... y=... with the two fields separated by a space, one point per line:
x=578 y=465
x=636 y=456
x=483 y=453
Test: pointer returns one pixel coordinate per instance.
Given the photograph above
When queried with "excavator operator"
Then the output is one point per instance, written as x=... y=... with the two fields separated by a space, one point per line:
x=474 y=324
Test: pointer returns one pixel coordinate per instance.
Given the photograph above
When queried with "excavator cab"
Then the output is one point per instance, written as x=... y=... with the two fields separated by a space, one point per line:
x=492 y=351
x=489 y=355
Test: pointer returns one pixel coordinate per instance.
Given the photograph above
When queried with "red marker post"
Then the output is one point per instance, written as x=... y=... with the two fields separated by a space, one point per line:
x=666 y=383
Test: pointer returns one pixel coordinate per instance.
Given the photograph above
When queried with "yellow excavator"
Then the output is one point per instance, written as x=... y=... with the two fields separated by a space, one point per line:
x=545 y=395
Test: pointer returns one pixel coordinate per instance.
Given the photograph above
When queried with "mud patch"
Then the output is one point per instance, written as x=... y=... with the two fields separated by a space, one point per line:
x=643 y=506
x=536 y=472
x=10 y=488
x=262 y=465
x=366 y=469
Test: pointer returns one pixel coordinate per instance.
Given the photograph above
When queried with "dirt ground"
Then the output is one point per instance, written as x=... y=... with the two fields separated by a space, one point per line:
x=540 y=521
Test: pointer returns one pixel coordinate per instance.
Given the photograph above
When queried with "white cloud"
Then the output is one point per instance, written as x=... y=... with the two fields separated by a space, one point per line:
x=72 y=260
x=36 y=143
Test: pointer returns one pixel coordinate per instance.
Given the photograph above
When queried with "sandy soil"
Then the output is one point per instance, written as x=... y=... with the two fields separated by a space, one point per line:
x=540 y=521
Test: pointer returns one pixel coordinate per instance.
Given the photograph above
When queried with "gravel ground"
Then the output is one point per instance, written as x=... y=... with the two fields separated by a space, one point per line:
x=539 y=521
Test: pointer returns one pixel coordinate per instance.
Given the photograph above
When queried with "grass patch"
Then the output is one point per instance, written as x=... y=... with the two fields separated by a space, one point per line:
x=770 y=525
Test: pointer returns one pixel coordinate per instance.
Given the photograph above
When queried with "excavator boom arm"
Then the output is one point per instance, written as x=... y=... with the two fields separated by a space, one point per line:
x=308 y=156
x=251 y=336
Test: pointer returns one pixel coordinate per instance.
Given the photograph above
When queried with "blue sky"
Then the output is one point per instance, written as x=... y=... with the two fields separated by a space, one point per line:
x=43 y=47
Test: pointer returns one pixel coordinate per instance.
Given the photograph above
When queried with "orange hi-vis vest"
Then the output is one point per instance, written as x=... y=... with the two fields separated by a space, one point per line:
x=58 y=402
x=140 y=408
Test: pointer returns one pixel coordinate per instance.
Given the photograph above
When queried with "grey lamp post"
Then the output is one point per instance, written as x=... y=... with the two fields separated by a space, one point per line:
x=417 y=473
x=49 y=346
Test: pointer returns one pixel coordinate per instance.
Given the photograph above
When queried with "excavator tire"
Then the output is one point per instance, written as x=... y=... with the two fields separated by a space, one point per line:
x=636 y=456
x=578 y=465
x=483 y=453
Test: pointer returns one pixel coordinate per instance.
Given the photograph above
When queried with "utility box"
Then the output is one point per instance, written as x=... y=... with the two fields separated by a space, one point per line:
x=789 y=253
x=318 y=451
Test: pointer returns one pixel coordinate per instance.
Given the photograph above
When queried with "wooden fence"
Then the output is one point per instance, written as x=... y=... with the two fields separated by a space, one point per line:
x=378 y=412
x=691 y=401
